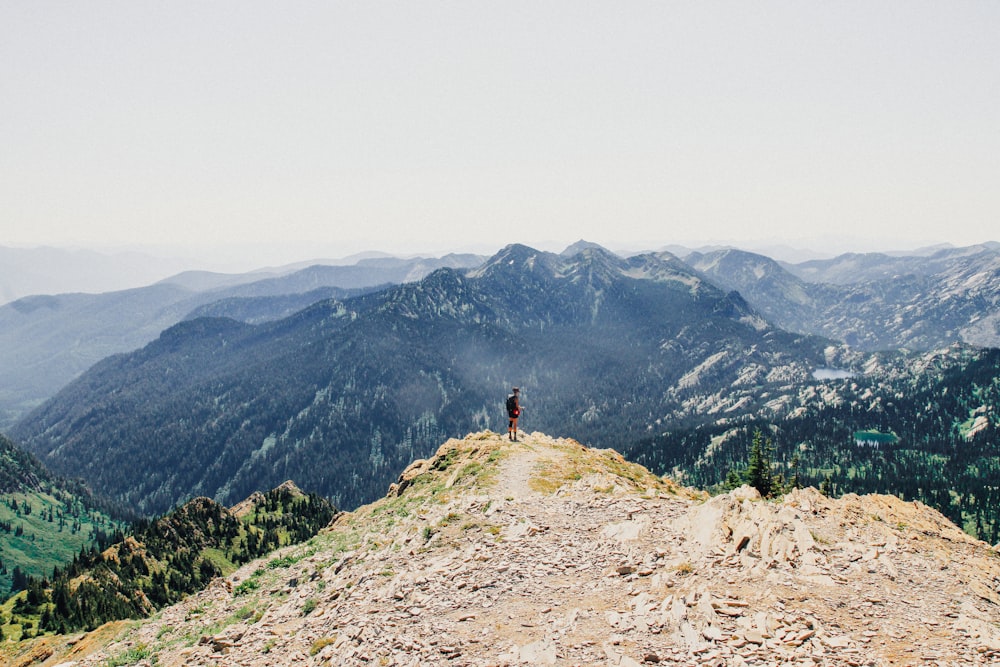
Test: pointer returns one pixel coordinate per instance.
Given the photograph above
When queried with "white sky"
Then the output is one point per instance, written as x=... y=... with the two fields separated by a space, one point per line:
x=324 y=128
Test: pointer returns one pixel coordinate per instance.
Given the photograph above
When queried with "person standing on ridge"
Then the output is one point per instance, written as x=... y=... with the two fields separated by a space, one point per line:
x=513 y=412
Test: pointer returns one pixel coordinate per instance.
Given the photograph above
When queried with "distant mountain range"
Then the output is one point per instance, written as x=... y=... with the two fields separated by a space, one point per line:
x=874 y=301
x=870 y=301
x=29 y=271
x=47 y=340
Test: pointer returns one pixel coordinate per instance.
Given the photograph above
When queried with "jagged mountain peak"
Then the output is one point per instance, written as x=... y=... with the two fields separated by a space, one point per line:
x=589 y=262
x=547 y=552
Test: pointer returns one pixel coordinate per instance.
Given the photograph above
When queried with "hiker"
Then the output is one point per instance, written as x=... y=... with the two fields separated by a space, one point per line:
x=513 y=412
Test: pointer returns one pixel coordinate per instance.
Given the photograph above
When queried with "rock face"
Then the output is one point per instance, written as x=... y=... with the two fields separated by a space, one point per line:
x=544 y=552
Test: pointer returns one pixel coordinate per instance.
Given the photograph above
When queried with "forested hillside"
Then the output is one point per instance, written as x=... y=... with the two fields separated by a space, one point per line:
x=160 y=562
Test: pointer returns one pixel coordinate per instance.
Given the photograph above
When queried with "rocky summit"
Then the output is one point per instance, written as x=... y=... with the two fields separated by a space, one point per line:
x=546 y=552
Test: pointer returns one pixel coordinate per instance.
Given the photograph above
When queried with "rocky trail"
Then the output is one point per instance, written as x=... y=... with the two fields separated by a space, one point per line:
x=545 y=552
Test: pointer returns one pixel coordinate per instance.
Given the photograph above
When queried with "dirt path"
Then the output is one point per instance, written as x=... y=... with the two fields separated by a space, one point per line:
x=517 y=470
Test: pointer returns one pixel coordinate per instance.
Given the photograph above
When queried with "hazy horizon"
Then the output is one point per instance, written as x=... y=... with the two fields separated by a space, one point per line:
x=239 y=258
x=66 y=269
x=418 y=127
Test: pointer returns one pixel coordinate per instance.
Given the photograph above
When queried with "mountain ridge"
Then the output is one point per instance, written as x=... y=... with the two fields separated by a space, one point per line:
x=547 y=552
x=643 y=354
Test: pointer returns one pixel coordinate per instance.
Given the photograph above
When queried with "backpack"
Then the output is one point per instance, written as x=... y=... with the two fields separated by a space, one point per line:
x=512 y=405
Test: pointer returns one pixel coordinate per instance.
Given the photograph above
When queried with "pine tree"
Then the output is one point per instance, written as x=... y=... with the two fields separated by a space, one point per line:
x=759 y=474
x=19 y=580
x=796 y=481
x=734 y=479
x=826 y=487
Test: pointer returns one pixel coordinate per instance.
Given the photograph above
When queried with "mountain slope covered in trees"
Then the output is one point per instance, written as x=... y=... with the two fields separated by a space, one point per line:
x=162 y=561
x=44 y=520
x=343 y=394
